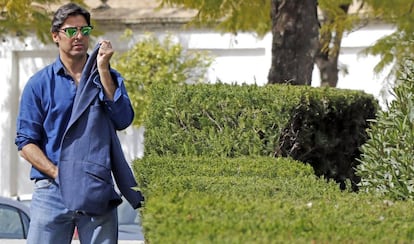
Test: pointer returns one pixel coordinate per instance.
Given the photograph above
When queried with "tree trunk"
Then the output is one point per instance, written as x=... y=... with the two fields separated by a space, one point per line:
x=295 y=30
x=329 y=47
x=328 y=69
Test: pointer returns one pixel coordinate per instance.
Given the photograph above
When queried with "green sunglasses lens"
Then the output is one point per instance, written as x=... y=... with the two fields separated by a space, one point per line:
x=86 y=30
x=71 y=31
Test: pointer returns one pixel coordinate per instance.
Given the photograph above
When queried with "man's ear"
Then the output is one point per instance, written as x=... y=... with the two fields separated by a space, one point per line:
x=55 y=37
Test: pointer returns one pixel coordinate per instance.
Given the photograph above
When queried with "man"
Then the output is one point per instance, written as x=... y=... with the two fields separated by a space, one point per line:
x=68 y=115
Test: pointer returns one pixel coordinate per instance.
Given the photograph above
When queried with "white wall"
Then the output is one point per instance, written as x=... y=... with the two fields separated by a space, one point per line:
x=238 y=59
x=361 y=74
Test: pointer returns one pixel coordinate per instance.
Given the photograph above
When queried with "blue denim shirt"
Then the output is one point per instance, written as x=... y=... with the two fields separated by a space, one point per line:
x=46 y=105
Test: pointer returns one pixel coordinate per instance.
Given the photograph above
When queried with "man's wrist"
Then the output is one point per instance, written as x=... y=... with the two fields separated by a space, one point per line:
x=103 y=70
x=54 y=172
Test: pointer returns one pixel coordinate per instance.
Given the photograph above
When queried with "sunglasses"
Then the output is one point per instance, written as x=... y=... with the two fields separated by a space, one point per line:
x=72 y=31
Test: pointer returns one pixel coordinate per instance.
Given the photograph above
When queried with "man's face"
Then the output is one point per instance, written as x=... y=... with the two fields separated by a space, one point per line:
x=75 y=46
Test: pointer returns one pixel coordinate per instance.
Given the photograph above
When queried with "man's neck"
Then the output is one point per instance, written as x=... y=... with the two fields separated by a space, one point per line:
x=74 y=64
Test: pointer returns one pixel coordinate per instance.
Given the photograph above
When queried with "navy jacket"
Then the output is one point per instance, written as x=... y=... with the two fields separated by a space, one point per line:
x=91 y=153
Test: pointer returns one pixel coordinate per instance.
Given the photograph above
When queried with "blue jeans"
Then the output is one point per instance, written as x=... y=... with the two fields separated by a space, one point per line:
x=51 y=222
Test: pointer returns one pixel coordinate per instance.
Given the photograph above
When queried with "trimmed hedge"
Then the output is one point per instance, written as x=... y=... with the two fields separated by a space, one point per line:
x=321 y=126
x=217 y=120
x=259 y=200
x=327 y=130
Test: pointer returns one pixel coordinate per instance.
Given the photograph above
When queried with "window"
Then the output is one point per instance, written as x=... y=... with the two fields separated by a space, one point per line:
x=13 y=223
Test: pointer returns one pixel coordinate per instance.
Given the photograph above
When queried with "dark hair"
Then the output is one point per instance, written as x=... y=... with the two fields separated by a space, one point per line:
x=70 y=9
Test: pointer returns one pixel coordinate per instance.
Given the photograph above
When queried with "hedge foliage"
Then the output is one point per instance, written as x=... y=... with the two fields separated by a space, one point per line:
x=260 y=200
x=387 y=161
x=217 y=120
x=326 y=129
x=321 y=126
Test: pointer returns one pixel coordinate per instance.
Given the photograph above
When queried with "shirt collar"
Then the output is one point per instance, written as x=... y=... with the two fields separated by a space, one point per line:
x=59 y=68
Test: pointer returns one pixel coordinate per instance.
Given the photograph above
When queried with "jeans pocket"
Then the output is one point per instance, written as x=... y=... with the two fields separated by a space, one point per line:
x=42 y=184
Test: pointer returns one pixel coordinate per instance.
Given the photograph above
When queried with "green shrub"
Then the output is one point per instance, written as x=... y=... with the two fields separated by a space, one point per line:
x=387 y=161
x=326 y=130
x=217 y=119
x=153 y=61
x=259 y=200
x=321 y=126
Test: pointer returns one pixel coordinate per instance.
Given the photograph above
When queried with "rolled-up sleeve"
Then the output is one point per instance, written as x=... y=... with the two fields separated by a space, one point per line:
x=28 y=124
x=120 y=109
